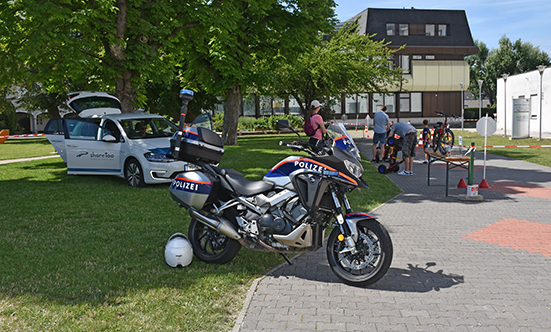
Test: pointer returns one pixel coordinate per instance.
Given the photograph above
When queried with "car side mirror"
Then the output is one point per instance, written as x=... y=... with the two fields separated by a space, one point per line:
x=109 y=139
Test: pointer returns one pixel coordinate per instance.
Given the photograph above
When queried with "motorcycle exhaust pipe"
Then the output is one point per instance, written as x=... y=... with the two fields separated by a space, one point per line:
x=221 y=225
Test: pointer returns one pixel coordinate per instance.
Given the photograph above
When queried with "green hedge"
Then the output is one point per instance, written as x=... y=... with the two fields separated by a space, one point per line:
x=472 y=112
x=266 y=123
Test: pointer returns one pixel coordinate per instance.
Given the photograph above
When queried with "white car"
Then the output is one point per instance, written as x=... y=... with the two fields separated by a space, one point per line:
x=129 y=145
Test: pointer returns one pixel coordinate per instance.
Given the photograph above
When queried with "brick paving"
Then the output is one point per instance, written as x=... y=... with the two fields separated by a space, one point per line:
x=458 y=265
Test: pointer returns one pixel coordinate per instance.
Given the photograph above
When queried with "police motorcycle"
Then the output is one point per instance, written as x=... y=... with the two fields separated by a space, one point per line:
x=288 y=211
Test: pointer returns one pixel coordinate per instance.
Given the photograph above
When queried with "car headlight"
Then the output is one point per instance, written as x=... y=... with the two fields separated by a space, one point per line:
x=157 y=157
x=355 y=169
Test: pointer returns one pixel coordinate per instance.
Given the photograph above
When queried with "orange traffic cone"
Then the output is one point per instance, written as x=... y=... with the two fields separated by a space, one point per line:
x=484 y=184
x=366 y=131
x=462 y=184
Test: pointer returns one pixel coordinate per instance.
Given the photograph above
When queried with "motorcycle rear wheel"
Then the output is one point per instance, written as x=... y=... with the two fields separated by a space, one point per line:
x=372 y=261
x=210 y=246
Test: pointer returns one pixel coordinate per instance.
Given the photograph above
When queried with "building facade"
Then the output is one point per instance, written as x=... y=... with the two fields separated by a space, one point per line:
x=533 y=87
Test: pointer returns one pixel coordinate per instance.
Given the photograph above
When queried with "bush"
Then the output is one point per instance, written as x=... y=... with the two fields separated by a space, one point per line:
x=472 y=112
x=266 y=123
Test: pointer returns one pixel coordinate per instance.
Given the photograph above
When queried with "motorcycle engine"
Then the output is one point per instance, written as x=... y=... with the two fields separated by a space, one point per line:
x=274 y=224
x=280 y=219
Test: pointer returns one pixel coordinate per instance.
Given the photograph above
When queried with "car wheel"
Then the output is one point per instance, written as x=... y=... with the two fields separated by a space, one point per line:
x=133 y=173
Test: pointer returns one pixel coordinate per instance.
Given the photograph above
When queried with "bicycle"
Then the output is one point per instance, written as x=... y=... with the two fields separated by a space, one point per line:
x=442 y=137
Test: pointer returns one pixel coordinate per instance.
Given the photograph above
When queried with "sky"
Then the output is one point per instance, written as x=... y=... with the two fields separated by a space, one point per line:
x=489 y=20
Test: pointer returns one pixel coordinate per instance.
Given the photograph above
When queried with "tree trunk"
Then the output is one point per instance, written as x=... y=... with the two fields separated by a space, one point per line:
x=53 y=111
x=231 y=115
x=124 y=90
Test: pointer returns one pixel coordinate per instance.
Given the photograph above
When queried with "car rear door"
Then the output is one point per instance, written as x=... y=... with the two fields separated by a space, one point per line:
x=86 y=152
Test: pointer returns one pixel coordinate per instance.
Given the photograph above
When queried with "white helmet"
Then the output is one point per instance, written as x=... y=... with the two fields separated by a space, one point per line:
x=178 y=251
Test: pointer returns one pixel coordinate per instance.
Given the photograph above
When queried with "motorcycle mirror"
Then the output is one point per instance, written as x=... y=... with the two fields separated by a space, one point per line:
x=283 y=124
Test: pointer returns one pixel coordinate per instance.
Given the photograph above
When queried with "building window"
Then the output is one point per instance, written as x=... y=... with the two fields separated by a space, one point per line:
x=429 y=57
x=404 y=63
x=417 y=57
x=351 y=105
x=363 y=103
x=380 y=100
x=442 y=30
x=265 y=106
x=411 y=102
x=335 y=106
x=404 y=29
x=429 y=30
x=248 y=106
x=390 y=29
x=404 y=102
x=416 y=102
x=278 y=106
x=294 y=107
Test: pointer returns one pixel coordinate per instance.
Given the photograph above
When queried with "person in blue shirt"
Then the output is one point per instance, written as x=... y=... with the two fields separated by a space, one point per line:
x=381 y=124
x=409 y=134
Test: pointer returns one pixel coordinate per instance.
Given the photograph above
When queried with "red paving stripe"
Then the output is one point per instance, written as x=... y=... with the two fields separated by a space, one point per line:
x=517 y=234
x=522 y=189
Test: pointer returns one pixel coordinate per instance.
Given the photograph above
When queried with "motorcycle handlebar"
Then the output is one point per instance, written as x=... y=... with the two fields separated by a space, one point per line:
x=300 y=145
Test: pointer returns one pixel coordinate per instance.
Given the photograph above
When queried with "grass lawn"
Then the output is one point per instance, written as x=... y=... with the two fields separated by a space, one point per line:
x=85 y=253
x=25 y=148
x=541 y=156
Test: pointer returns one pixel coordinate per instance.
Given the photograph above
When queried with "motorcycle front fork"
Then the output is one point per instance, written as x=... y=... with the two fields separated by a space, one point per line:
x=348 y=232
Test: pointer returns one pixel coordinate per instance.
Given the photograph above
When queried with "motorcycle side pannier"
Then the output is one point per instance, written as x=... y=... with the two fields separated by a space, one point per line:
x=200 y=144
x=193 y=189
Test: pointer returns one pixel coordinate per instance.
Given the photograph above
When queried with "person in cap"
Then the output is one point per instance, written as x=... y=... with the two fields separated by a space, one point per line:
x=317 y=122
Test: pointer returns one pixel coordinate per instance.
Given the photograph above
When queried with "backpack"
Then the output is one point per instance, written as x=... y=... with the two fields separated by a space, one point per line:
x=309 y=127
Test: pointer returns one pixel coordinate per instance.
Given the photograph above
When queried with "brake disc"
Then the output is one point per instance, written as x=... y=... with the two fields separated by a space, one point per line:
x=361 y=259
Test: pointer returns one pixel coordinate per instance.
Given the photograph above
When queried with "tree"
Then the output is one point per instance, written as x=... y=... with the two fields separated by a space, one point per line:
x=100 y=43
x=8 y=117
x=242 y=34
x=509 y=58
x=349 y=63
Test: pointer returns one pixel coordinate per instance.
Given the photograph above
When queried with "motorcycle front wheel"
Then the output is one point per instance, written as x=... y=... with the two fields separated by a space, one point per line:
x=210 y=246
x=372 y=260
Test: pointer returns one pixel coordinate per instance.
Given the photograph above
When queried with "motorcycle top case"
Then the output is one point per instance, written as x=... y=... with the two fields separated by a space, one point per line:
x=192 y=189
x=200 y=144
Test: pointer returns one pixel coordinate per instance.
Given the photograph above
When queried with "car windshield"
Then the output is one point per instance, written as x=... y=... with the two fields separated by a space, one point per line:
x=148 y=128
x=83 y=104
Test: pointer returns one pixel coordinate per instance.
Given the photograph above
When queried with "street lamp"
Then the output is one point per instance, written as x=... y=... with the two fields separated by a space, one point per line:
x=505 y=76
x=541 y=69
x=480 y=99
x=462 y=106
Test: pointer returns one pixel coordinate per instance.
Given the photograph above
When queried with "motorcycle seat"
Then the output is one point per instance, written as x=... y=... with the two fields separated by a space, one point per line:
x=245 y=187
x=226 y=171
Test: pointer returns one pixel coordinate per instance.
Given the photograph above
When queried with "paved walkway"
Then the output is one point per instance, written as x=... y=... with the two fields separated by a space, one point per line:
x=458 y=266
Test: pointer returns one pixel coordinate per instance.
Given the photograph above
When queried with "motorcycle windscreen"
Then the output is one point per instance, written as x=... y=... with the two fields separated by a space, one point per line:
x=342 y=139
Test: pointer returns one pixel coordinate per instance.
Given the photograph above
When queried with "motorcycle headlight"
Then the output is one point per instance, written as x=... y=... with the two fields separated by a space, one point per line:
x=356 y=169
x=157 y=157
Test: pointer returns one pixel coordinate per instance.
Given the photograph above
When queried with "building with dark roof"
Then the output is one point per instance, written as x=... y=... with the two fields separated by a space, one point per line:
x=436 y=43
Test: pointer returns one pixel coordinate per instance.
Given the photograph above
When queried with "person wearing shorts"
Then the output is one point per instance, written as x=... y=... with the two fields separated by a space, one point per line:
x=409 y=135
x=381 y=124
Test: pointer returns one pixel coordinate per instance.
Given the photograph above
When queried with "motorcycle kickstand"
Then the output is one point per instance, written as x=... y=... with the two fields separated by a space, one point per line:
x=287 y=259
